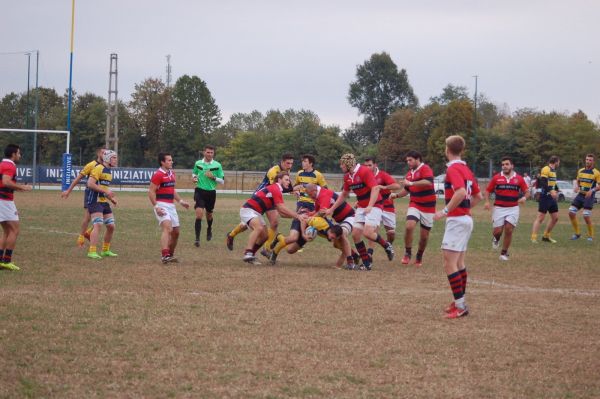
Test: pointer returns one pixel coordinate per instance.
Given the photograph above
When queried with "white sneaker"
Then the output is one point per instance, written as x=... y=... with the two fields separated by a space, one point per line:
x=504 y=257
x=495 y=243
x=250 y=258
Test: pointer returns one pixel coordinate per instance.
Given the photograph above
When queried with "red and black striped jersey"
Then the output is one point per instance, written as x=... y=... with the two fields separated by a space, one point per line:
x=383 y=178
x=422 y=197
x=265 y=198
x=508 y=189
x=460 y=176
x=8 y=168
x=326 y=198
x=361 y=180
x=165 y=180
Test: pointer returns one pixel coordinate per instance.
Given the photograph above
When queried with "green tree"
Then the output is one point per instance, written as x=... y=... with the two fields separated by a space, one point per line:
x=379 y=89
x=451 y=93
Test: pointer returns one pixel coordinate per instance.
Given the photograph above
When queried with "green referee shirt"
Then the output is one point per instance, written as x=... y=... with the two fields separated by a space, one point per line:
x=201 y=167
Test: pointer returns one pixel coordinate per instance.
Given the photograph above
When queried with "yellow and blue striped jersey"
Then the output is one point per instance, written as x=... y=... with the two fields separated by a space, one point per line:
x=103 y=177
x=550 y=175
x=87 y=169
x=303 y=177
x=587 y=179
x=270 y=178
x=321 y=224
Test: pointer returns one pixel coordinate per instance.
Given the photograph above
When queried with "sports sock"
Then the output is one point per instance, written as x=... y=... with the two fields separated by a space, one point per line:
x=456 y=285
x=590 y=229
x=92 y=249
x=7 y=257
x=271 y=236
x=106 y=246
x=349 y=260
x=370 y=251
x=497 y=236
x=534 y=236
x=280 y=245
x=420 y=254
x=504 y=252
x=1 y=254
x=198 y=228
x=165 y=252
x=255 y=248
x=463 y=274
x=408 y=251
x=362 y=251
x=381 y=241
x=209 y=222
x=575 y=225
x=80 y=239
x=88 y=232
x=237 y=230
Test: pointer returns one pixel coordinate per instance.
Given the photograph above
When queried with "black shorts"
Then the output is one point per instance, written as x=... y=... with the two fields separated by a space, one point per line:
x=581 y=202
x=205 y=199
x=547 y=204
x=309 y=206
x=85 y=195
x=99 y=207
x=297 y=226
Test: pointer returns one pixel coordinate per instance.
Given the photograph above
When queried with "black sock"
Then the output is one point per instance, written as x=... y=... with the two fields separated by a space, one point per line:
x=198 y=228
x=420 y=254
x=408 y=251
x=370 y=251
x=209 y=221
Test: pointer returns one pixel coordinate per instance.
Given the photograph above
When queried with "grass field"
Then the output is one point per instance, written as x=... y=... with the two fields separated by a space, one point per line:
x=213 y=326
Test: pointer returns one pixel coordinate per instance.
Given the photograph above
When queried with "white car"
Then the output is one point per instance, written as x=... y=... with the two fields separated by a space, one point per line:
x=567 y=192
x=438 y=184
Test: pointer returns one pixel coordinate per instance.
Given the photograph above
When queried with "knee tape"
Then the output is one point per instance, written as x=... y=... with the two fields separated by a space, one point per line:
x=108 y=221
x=572 y=209
x=97 y=220
x=587 y=212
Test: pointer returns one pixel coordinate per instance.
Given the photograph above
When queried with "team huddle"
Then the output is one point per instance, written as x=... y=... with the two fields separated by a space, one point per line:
x=322 y=212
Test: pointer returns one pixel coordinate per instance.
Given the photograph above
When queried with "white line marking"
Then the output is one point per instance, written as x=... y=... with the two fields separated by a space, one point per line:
x=51 y=231
x=560 y=291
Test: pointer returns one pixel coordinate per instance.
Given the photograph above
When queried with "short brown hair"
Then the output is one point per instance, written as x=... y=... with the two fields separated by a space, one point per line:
x=287 y=156
x=455 y=144
x=590 y=156
x=553 y=159
x=280 y=175
x=209 y=147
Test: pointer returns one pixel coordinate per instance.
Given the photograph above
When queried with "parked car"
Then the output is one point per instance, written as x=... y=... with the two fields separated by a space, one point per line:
x=567 y=192
x=438 y=184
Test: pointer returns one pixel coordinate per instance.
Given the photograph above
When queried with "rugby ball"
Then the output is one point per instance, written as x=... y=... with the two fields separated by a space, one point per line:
x=310 y=232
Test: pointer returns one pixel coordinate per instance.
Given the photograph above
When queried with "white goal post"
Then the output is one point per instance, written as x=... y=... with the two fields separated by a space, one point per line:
x=66 y=166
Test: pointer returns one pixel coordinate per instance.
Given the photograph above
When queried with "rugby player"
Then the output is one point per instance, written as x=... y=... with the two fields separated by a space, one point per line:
x=588 y=182
x=162 y=195
x=548 y=201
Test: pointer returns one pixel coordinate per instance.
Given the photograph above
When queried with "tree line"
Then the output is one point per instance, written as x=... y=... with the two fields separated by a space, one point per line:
x=183 y=118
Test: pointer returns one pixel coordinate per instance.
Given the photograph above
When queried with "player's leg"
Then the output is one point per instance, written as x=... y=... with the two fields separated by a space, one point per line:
x=372 y=220
x=257 y=237
x=199 y=207
x=97 y=222
x=273 y=218
x=84 y=231
x=371 y=244
x=423 y=240
x=9 y=240
x=211 y=198
x=409 y=228
x=498 y=221
x=454 y=244
x=551 y=223
x=174 y=238
x=508 y=234
x=166 y=228
x=109 y=222
x=573 y=209
x=539 y=219
x=587 y=216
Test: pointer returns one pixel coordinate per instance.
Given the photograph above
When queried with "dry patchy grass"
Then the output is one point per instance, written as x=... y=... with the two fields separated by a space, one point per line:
x=213 y=326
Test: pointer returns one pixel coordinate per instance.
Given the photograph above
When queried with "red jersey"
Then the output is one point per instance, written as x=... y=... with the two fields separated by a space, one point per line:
x=265 y=198
x=165 y=180
x=7 y=167
x=508 y=189
x=421 y=197
x=459 y=176
x=361 y=181
x=326 y=198
x=384 y=179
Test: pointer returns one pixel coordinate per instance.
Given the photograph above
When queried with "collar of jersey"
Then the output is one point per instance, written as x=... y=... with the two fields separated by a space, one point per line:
x=456 y=161
x=9 y=160
x=354 y=171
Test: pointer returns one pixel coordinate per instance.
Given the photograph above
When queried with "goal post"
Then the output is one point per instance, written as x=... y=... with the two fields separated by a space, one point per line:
x=66 y=158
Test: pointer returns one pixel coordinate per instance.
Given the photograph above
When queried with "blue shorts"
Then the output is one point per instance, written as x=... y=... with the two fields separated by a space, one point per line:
x=547 y=204
x=581 y=202
x=85 y=195
x=99 y=207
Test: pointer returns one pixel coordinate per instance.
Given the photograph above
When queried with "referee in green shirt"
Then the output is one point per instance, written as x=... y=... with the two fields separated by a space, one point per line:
x=206 y=174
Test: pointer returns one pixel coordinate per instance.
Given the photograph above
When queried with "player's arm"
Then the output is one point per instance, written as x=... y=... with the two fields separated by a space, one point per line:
x=152 y=196
x=488 y=191
x=220 y=175
x=374 y=195
x=402 y=193
x=180 y=200
x=422 y=182
x=8 y=183
x=65 y=194
x=92 y=184
x=195 y=173
x=287 y=213
x=475 y=199
x=341 y=198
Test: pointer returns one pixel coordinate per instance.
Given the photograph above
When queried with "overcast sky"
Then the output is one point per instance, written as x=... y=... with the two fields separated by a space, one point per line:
x=281 y=54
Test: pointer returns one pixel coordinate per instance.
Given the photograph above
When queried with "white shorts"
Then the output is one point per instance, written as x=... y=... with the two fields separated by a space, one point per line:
x=457 y=233
x=389 y=219
x=425 y=219
x=503 y=214
x=372 y=219
x=247 y=214
x=8 y=211
x=171 y=213
x=347 y=224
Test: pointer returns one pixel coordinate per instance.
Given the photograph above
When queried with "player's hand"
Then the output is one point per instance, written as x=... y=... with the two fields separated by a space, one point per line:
x=368 y=210
x=209 y=174
x=486 y=206
x=195 y=179
x=114 y=201
x=184 y=204
x=160 y=211
x=589 y=193
x=522 y=200
x=25 y=187
x=554 y=194
x=439 y=215
x=64 y=194
x=327 y=212
x=109 y=194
